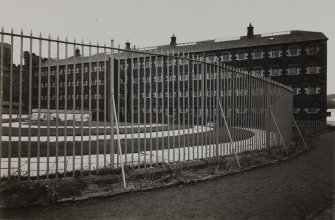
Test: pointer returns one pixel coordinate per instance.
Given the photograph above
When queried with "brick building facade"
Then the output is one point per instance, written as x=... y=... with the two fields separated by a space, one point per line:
x=295 y=58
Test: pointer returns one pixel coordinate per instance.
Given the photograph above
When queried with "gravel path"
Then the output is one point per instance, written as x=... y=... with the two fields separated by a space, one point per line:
x=289 y=190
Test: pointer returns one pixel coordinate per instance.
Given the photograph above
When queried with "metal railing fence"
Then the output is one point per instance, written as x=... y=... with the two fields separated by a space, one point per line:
x=81 y=107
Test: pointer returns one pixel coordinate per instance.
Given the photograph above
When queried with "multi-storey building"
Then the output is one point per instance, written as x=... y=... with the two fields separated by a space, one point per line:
x=72 y=87
x=12 y=75
x=295 y=58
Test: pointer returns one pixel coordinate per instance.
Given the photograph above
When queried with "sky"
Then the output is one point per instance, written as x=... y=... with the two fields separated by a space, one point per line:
x=152 y=22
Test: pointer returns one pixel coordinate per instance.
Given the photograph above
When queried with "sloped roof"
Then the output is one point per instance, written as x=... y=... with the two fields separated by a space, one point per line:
x=85 y=59
x=207 y=45
x=244 y=41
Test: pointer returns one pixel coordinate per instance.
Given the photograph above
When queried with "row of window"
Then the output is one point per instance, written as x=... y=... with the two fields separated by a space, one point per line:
x=275 y=52
x=227 y=56
x=238 y=92
x=63 y=97
x=199 y=111
x=159 y=63
x=258 y=71
x=291 y=70
x=63 y=84
x=70 y=71
x=227 y=111
x=307 y=90
x=306 y=110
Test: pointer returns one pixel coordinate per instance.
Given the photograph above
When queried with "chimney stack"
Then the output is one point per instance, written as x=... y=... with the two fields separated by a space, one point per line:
x=173 y=42
x=250 y=31
x=128 y=45
x=77 y=52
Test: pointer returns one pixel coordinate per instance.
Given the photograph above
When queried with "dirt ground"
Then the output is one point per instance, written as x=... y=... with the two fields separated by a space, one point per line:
x=293 y=189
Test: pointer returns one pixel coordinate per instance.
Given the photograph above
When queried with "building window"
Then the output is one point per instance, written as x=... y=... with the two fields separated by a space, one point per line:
x=158 y=78
x=183 y=77
x=313 y=69
x=135 y=80
x=146 y=95
x=159 y=62
x=312 y=90
x=275 y=71
x=209 y=59
x=293 y=51
x=171 y=78
x=312 y=110
x=275 y=52
x=258 y=71
x=258 y=54
x=225 y=57
x=241 y=92
x=296 y=91
x=241 y=55
x=312 y=50
x=158 y=95
x=295 y=110
x=146 y=79
x=293 y=70
x=241 y=110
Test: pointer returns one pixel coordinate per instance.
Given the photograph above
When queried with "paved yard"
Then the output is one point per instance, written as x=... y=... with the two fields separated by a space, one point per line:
x=288 y=190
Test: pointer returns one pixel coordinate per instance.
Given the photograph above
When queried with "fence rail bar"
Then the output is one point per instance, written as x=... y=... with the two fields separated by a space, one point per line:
x=159 y=107
x=297 y=127
x=278 y=130
x=229 y=134
x=119 y=145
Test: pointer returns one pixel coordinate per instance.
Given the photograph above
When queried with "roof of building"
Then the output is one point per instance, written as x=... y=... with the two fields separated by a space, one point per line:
x=78 y=59
x=208 y=45
x=243 y=41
